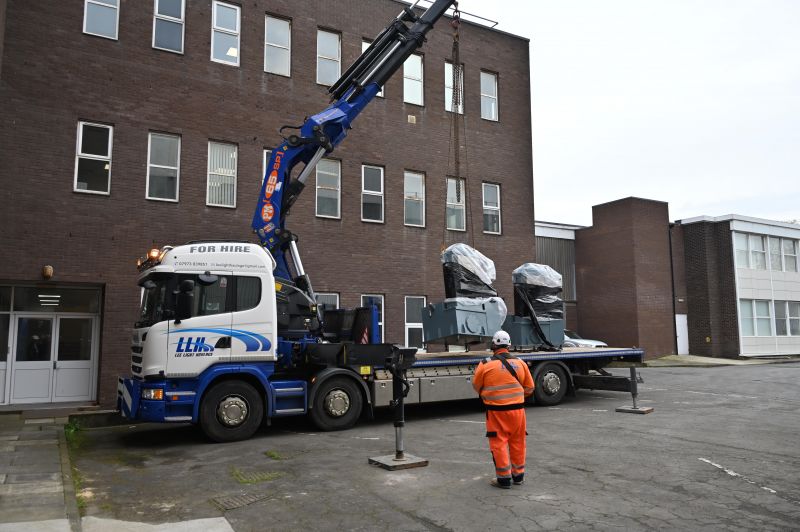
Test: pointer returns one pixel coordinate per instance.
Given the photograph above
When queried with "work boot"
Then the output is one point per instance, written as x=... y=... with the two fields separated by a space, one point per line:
x=518 y=479
x=504 y=483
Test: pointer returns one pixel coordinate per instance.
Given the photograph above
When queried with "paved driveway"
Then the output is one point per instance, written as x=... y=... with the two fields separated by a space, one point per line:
x=721 y=451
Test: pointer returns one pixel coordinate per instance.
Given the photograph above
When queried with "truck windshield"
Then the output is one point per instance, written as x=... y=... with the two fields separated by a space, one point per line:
x=154 y=299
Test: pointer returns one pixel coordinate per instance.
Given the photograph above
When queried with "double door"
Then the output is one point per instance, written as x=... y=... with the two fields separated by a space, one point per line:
x=52 y=358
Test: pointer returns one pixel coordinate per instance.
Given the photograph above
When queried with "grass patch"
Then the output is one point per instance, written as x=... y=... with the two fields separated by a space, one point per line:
x=273 y=455
x=75 y=436
x=254 y=478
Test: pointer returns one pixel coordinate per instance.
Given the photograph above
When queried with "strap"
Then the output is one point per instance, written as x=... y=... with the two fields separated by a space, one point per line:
x=508 y=366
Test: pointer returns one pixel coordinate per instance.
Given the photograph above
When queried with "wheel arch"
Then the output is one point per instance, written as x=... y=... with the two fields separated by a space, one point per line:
x=540 y=367
x=329 y=373
x=249 y=375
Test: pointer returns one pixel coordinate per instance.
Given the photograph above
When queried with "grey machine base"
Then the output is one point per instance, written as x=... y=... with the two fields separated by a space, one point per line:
x=392 y=464
x=635 y=409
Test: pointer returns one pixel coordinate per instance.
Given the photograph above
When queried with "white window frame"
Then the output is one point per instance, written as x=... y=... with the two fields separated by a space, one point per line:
x=177 y=168
x=265 y=161
x=338 y=59
x=365 y=192
x=382 y=312
x=795 y=255
x=287 y=48
x=753 y=251
x=421 y=80
x=364 y=45
x=334 y=294
x=79 y=155
x=448 y=87
x=338 y=192
x=488 y=208
x=407 y=198
x=495 y=97
x=237 y=33
x=235 y=174
x=772 y=266
x=412 y=325
x=462 y=205
x=181 y=21
x=745 y=251
x=86 y=12
x=756 y=317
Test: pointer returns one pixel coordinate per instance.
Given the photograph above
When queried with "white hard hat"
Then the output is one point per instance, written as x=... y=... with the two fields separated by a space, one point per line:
x=501 y=339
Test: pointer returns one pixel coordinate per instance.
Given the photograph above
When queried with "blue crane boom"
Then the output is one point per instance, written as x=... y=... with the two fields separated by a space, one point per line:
x=321 y=133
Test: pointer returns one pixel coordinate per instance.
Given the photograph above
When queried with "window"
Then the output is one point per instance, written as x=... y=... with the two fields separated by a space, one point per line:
x=364 y=46
x=101 y=18
x=266 y=157
x=775 y=262
x=789 y=255
x=758 y=253
x=491 y=208
x=329 y=300
x=248 y=293
x=414 y=306
x=277 y=46
x=329 y=57
x=414 y=199
x=329 y=180
x=209 y=298
x=371 y=193
x=225 y=34
x=787 y=318
x=755 y=317
x=742 y=254
x=448 y=88
x=168 y=25
x=163 y=166
x=93 y=158
x=377 y=300
x=456 y=213
x=489 y=96
x=413 y=80
x=221 y=175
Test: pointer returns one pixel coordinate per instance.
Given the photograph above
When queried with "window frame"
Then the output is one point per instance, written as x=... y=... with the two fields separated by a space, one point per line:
x=794 y=255
x=266 y=155
x=765 y=252
x=421 y=80
x=338 y=192
x=235 y=174
x=381 y=315
x=366 y=43
x=267 y=43
x=463 y=203
x=237 y=33
x=177 y=168
x=498 y=208
x=496 y=96
x=364 y=192
x=755 y=317
x=414 y=325
x=181 y=21
x=449 y=79
x=335 y=294
x=406 y=198
x=337 y=59
x=79 y=154
x=86 y=13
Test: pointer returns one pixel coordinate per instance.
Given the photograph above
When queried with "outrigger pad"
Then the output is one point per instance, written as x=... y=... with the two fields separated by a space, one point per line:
x=635 y=409
x=390 y=463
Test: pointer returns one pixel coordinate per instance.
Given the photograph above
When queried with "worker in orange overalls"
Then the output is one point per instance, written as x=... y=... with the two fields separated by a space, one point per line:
x=503 y=382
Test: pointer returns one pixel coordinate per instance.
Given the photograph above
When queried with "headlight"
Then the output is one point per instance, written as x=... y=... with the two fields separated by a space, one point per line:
x=154 y=394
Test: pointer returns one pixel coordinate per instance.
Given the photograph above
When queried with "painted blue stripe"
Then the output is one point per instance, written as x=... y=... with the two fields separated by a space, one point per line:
x=251 y=340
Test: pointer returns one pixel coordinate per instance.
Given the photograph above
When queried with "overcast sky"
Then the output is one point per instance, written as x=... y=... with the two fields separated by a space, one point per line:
x=692 y=102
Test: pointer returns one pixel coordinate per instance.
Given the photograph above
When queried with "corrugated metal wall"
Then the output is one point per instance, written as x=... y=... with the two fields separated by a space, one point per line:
x=559 y=254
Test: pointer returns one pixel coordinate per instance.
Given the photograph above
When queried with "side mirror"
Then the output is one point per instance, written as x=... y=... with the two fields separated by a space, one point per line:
x=207 y=278
x=185 y=301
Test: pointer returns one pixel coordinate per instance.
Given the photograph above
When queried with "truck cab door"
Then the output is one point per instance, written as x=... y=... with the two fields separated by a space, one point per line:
x=254 y=319
x=204 y=338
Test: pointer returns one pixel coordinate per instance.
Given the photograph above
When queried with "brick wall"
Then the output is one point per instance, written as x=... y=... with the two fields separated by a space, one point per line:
x=623 y=276
x=52 y=79
x=711 y=290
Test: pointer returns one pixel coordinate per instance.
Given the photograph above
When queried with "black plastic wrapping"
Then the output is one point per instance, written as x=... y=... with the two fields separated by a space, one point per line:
x=460 y=282
x=543 y=299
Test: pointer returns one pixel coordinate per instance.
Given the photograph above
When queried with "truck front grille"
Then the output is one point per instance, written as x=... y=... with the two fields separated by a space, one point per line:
x=136 y=359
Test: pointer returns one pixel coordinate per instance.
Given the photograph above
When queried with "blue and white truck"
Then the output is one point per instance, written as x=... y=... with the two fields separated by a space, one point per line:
x=229 y=333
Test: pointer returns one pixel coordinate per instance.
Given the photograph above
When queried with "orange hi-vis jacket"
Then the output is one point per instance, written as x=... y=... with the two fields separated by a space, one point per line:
x=498 y=388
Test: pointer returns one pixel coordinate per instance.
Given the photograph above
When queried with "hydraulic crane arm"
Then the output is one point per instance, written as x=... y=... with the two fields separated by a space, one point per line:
x=321 y=133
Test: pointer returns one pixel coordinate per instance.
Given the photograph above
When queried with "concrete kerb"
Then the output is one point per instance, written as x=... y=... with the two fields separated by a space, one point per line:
x=688 y=361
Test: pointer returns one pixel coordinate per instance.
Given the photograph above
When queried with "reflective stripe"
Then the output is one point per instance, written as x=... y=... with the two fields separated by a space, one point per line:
x=528 y=390
x=503 y=469
x=503 y=476
x=498 y=397
x=501 y=387
x=515 y=466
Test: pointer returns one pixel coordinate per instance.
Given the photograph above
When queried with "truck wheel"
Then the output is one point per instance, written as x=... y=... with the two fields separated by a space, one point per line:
x=231 y=411
x=551 y=385
x=337 y=404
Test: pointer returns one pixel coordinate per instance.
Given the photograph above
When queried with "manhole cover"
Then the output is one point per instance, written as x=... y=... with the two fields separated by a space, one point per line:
x=237 y=501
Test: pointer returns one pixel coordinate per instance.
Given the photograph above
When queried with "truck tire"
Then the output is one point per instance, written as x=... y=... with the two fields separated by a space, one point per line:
x=551 y=385
x=231 y=411
x=337 y=404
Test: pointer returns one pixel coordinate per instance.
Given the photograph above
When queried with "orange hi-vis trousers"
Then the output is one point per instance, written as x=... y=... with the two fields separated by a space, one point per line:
x=506 y=432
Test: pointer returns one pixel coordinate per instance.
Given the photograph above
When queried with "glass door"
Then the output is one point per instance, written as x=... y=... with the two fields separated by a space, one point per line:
x=5 y=348
x=32 y=367
x=74 y=356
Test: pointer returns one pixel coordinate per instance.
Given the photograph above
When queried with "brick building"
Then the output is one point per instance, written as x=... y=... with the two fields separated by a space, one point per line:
x=131 y=125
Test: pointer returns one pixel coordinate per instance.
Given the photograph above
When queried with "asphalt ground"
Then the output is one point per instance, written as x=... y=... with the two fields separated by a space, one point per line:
x=720 y=452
